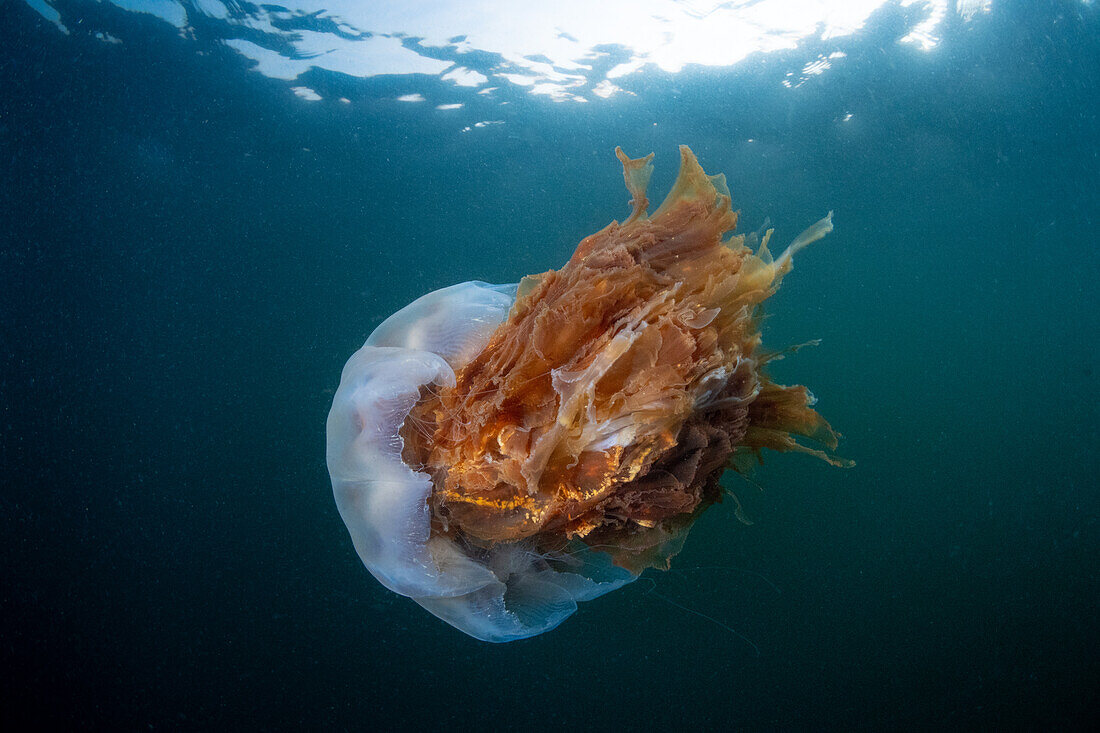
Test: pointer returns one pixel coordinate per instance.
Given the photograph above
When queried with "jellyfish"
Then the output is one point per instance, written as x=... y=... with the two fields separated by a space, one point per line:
x=501 y=453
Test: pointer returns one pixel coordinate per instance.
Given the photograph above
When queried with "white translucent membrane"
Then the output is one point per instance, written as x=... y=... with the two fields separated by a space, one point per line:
x=498 y=594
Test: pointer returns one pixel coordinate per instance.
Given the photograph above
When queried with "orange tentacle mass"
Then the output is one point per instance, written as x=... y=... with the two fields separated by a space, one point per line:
x=608 y=404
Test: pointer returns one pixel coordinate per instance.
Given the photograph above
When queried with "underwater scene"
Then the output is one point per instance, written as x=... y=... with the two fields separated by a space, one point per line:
x=640 y=365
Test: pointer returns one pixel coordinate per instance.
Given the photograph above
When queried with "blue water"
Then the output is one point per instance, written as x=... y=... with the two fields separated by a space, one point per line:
x=190 y=250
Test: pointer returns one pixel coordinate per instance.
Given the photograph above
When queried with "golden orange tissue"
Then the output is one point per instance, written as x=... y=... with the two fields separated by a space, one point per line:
x=500 y=453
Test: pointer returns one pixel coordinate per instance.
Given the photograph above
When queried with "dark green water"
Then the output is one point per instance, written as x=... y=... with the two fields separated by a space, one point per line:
x=189 y=253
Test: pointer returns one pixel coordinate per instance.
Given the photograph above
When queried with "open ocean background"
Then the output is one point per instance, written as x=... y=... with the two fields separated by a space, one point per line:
x=190 y=250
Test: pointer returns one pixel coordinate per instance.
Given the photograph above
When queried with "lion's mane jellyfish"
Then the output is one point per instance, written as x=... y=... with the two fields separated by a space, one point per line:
x=501 y=452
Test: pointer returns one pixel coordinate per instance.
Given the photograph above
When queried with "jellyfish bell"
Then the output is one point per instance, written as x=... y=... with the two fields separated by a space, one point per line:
x=384 y=501
x=500 y=453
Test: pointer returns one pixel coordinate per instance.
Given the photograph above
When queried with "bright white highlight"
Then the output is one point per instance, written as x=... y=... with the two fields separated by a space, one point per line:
x=547 y=49
x=306 y=93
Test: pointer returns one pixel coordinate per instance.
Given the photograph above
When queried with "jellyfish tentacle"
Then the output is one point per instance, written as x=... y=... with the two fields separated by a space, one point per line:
x=809 y=235
x=636 y=173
